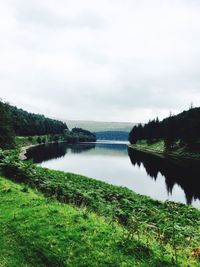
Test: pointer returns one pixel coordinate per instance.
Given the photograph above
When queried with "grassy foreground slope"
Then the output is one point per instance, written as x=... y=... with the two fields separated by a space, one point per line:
x=37 y=231
x=97 y=225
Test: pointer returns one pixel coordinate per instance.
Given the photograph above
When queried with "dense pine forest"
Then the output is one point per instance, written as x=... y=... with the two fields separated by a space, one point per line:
x=6 y=129
x=83 y=134
x=26 y=124
x=17 y=122
x=182 y=129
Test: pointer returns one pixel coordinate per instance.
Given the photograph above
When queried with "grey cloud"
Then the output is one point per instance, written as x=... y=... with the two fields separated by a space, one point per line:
x=41 y=14
x=106 y=60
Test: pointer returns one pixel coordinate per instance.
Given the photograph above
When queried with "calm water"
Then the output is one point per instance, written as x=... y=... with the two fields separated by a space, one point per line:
x=114 y=163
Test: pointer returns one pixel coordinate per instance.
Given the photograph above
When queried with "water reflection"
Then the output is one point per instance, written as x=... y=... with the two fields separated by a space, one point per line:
x=119 y=147
x=185 y=173
x=42 y=153
x=109 y=162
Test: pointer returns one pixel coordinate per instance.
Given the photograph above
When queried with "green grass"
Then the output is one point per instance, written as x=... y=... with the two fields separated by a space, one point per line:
x=157 y=146
x=134 y=229
x=21 y=141
x=158 y=149
x=37 y=231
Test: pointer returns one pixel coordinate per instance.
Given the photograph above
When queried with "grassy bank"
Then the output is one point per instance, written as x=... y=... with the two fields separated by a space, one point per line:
x=37 y=231
x=158 y=148
x=22 y=141
x=149 y=232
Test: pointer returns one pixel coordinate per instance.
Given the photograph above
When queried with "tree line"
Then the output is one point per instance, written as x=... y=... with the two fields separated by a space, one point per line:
x=83 y=135
x=18 y=122
x=25 y=123
x=184 y=127
x=6 y=130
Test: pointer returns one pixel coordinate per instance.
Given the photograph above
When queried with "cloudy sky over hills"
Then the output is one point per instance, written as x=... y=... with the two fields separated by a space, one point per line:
x=109 y=60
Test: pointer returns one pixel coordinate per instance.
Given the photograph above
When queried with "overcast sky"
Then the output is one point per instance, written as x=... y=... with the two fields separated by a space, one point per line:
x=108 y=60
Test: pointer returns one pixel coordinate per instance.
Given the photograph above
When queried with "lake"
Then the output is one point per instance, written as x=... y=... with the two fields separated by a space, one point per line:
x=115 y=163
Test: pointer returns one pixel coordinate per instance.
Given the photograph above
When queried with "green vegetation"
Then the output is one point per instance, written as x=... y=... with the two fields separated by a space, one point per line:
x=158 y=148
x=79 y=221
x=37 y=128
x=26 y=124
x=83 y=135
x=178 y=132
x=22 y=141
x=139 y=231
x=37 y=231
x=67 y=136
x=6 y=131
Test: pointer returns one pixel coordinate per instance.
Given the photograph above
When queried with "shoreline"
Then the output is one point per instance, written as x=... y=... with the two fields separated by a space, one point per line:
x=163 y=155
x=160 y=157
x=115 y=204
x=24 y=149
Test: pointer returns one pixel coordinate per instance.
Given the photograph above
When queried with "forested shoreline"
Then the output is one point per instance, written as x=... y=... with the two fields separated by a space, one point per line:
x=67 y=217
x=17 y=122
x=176 y=131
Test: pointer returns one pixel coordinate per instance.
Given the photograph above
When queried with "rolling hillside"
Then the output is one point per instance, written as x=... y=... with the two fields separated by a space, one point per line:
x=112 y=135
x=99 y=126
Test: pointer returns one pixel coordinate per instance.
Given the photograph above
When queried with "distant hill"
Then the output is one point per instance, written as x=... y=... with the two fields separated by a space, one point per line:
x=99 y=126
x=112 y=135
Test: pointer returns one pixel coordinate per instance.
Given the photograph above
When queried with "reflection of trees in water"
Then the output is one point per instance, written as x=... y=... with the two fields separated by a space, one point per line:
x=52 y=151
x=181 y=172
x=79 y=148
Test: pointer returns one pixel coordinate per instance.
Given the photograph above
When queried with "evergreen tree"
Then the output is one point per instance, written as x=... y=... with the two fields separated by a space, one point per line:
x=27 y=124
x=6 y=131
x=184 y=127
